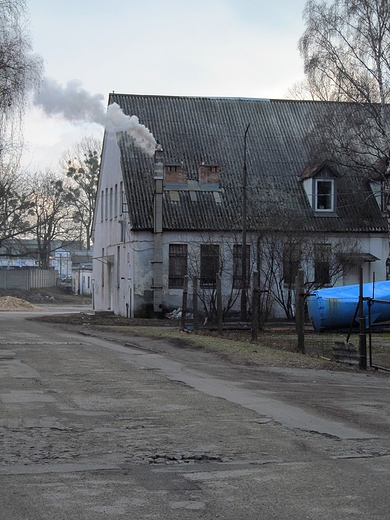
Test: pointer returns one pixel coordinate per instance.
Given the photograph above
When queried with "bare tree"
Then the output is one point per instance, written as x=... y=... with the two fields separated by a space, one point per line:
x=50 y=215
x=346 y=50
x=346 y=53
x=15 y=205
x=322 y=262
x=223 y=256
x=19 y=74
x=20 y=70
x=82 y=166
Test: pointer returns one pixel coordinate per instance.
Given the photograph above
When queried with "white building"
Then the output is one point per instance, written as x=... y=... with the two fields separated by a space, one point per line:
x=180 y=212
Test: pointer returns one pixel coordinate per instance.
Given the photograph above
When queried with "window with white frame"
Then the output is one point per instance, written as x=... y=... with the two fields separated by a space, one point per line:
x=324 y=195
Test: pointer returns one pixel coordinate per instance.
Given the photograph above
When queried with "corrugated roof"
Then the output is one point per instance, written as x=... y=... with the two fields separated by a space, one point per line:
x=280 y=140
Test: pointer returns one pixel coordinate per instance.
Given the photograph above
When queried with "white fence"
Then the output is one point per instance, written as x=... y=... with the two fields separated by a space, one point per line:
x=26 y=279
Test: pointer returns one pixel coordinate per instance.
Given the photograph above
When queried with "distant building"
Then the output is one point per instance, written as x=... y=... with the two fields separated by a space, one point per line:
x=82 y=272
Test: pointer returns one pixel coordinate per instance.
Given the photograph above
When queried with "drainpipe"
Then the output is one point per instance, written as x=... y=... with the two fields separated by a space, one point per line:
x=157 y=261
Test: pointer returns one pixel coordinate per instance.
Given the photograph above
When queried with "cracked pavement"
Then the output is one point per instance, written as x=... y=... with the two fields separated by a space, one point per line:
x=97 y=426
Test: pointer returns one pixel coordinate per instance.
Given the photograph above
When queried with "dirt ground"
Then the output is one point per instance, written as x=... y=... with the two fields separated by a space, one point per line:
x=278 y=340
x=52 y=295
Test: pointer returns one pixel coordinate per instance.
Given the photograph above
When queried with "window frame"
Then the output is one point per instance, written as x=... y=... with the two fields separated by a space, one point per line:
x=322 y=259
x=237 y=266
x=209 y=263
x=178 y=265
x=291 y=262
x=330 y=196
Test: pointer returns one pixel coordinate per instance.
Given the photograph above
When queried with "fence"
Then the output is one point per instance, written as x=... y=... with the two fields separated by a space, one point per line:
x=26 y=279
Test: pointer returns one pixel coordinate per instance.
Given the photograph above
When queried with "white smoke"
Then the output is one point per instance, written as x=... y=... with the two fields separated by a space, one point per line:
x=76 y=105
x=72 y=102
x=117 y=121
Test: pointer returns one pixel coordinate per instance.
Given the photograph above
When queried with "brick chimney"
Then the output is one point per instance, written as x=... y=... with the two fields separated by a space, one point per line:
x=209 y=175
x=175 y=174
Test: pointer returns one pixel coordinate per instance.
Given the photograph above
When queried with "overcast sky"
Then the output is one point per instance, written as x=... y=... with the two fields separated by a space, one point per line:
x=226 y=48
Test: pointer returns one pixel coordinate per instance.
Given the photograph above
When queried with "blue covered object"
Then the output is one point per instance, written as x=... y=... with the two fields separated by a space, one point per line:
x=335 y=307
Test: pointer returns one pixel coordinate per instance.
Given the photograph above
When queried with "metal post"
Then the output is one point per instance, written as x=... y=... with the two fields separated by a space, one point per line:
x=219 y=303
x=195 y=302
x=184 y=302
x=255 y=305
x=362 y=328
x=300 y=311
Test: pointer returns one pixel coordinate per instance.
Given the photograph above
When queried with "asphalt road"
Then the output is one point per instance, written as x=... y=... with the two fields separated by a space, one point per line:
x=97 y=427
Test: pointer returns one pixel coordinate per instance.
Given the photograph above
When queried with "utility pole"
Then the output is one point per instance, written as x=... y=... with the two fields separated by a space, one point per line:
x=243 y=252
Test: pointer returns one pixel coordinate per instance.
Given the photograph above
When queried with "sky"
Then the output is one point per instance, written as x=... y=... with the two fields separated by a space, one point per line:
x=216 y=48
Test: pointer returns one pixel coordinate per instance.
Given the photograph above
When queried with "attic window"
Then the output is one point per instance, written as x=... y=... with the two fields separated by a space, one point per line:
x=324 y=195
x=320 y=184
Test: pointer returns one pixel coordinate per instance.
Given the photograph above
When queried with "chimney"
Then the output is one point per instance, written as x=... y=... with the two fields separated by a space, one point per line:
x=175 y=174
x=209 y=175
x=157 y=262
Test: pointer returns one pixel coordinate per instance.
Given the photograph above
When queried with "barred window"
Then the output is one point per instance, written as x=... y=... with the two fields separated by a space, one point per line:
x=237 y=266
x=209 y=265
x=178 y=254
x=322 y=254
x=291 y=261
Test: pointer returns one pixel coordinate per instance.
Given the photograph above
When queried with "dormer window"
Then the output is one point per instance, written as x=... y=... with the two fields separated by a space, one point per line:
x=320 y=183
x=324 y=195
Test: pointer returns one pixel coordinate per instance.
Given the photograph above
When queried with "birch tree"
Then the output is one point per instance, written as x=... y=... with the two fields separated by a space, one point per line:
x=346 y=53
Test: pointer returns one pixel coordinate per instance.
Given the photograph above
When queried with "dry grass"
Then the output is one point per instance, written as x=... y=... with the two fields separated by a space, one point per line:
x=273 y=348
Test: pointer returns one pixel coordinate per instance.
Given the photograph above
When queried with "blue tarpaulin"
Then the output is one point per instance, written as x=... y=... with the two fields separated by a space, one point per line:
x=335 y=307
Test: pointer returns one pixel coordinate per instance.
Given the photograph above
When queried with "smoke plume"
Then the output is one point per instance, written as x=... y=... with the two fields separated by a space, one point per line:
x=117 y=121
x=76 y=105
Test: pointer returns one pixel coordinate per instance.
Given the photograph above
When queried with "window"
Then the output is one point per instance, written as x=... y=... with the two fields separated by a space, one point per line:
x=322 y=254
x=106 y=204
x=324 y=195
x=118 y=267
x=116 y=200
x=178 y=254
x=111 y=203
x=291 y=261
x=102 y=266
x=237 y=266
x=209 y=265
x=102 y=206
x=122 y=224
x=121 y=198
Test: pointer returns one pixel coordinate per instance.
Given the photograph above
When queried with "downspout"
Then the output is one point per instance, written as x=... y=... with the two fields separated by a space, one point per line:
x=157 y=261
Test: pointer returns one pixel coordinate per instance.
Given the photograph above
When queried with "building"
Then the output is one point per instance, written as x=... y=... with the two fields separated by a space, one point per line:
x=182 y=210
x=82 y=272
